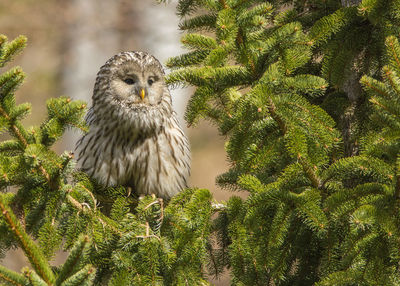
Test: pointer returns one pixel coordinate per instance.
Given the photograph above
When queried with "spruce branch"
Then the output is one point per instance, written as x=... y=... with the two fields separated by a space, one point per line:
x=34 y=278
x=84 y=276
x=310 y=172
x=75 y=258
x=85 y=209
x=272 y=111
x=394 y=52
x=14 y=129
x=12 y=277
x=10 y=81
x=325 y=27
x=32 y=251
x=18 y=131
x=10 y=49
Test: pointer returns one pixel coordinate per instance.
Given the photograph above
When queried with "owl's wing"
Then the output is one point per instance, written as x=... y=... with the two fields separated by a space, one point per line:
x=90 y=116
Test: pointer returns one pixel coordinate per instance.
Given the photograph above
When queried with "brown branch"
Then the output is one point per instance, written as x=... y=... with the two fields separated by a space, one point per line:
x=223 y=3
x=375 y=89
x=14 y=128
x=23 y=239
x=3 y=275
x=394 y=53
x=278 y=120
x=311 y=175
x=389 y=76
x=44 y=173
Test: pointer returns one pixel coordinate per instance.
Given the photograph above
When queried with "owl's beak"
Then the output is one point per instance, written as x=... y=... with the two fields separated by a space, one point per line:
x=142 y=93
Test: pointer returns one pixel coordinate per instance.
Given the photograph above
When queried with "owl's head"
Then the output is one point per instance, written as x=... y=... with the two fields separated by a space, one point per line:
x=132 y=79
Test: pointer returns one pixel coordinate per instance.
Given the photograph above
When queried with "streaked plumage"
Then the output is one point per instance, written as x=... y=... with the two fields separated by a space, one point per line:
x=134 y=137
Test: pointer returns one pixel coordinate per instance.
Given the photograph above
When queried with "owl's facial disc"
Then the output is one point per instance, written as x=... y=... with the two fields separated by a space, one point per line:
x=137 y=85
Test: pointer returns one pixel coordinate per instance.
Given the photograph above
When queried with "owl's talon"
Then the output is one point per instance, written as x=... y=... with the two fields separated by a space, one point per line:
x=152 y=203
x=161 y=202
x=159 y=220
x=148 y=235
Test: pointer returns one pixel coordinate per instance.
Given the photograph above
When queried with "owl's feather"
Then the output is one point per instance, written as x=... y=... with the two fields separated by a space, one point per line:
x=132 y=141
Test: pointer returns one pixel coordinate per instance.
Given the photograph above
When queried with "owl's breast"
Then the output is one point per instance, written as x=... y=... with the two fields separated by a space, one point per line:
x=157 y=164
x=161 y=164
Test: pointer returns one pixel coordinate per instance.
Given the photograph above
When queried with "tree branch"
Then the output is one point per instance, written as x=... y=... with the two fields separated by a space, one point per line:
x=33 y=253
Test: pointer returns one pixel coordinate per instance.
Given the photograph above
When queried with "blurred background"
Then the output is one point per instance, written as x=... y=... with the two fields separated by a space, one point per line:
x=69 y=40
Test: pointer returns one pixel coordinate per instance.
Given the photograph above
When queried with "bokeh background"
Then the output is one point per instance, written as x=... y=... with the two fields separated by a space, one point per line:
x=68 y=41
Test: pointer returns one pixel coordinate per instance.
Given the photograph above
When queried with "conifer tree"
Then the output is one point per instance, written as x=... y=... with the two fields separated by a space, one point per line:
x=281 y=80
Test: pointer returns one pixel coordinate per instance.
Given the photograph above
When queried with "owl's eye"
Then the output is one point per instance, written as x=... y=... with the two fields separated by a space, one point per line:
x=129 y=81
x=150 y=81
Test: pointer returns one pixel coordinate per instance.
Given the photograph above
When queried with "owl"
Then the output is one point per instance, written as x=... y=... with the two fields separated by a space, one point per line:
x=134 y=137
